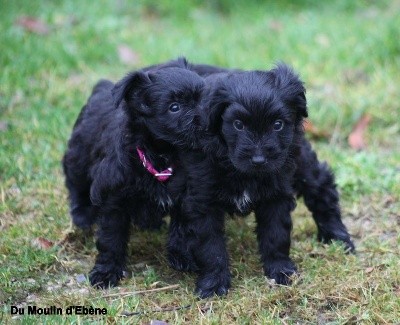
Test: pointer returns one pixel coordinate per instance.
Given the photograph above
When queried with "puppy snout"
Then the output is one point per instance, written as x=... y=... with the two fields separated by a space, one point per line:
x=258 y=160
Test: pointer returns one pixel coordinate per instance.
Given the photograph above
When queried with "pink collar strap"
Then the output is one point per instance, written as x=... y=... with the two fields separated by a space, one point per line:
x=161 y=176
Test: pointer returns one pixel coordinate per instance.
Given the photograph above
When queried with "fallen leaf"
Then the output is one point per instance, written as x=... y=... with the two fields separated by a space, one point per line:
x=314 y=131
x=3 y=126
x=42 y=243
x=33 y=25
x=369 y=269
x=127 y=55
x=356 y=138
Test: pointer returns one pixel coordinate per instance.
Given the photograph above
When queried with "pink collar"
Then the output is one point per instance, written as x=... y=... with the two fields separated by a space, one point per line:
x=161 y=176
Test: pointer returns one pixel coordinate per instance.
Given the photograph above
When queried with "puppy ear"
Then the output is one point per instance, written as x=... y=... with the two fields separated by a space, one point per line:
x=293 y=91
x=129 y=87
x=218 y=103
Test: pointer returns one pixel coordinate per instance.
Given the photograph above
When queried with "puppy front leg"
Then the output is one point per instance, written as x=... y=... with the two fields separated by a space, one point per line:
x=112 y=241
x=207 y=241
x=274 y=225
x=180 y=256
x=200 y=229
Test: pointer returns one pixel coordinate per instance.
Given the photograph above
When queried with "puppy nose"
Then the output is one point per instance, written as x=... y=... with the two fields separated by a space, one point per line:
x=258 y=160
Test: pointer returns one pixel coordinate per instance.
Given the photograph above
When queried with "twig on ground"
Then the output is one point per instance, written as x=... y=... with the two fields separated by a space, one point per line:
x=173 y=286
x=137 y=313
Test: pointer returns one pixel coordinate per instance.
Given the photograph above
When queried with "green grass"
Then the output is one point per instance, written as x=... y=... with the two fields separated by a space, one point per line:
x=348 y=54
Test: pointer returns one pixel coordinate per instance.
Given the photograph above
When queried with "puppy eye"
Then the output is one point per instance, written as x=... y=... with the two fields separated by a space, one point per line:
x=238 y=125
x=278 y=125
x=174 y=107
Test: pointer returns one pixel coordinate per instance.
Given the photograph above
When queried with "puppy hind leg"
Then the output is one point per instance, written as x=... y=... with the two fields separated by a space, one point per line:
x=112 y=242
x=323 y=202
x=273 y=229
x=316 y=183
x=81 y=209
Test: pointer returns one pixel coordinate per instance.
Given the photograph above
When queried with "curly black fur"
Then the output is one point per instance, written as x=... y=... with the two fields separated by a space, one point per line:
x=154 y=109
x=254 y=157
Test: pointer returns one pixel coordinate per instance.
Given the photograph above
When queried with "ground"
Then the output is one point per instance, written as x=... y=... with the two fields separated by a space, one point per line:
x=347 y=53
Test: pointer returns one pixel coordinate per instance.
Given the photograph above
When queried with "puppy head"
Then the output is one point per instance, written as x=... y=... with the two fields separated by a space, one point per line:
x=257 y=116
x=165 y=100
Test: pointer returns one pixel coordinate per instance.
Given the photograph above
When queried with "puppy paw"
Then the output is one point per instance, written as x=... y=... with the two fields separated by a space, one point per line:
x=281 y=271
x=213 y=283
x=349 y=246
x=181 y=261
x=105 y=276
x=343 y=237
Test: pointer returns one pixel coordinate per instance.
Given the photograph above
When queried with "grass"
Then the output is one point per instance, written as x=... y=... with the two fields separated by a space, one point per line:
x=348 y=54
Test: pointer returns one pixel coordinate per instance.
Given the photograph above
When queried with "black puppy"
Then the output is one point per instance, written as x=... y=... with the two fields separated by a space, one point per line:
x=311 y=178
x=121 y=155
x=254 y=157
